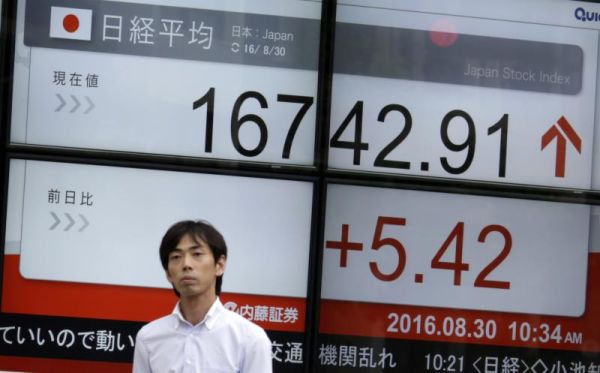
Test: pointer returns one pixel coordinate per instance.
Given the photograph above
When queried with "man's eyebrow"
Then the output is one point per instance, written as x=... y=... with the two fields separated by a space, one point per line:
x=193 y=247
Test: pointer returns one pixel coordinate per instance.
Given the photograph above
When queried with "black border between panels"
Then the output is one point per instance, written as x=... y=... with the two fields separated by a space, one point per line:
x=7 y=47
x=326 y=53
x=460 y=189
x=465 y=187
x=152 y=159
x=157 y=166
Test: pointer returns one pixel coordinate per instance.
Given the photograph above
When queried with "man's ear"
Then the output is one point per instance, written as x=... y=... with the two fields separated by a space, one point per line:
x=220 y=264
x=169 y=277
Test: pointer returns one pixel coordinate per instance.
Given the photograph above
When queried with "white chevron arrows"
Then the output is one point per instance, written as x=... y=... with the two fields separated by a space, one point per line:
x=62 y=102
x=70 y=222
x=90 y=105
x=77 y=104
x=56 y=221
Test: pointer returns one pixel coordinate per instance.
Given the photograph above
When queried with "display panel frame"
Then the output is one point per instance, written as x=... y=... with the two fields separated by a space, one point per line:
x=432 y=345
x=156 y=162
x=248 y=102
x=416 y=92
x=37 y=321
x=320 y=175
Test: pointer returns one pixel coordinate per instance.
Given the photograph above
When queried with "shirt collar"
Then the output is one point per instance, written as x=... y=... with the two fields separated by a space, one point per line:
x=209 y=320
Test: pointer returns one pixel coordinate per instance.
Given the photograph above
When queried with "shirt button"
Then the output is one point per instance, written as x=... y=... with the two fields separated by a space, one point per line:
x=188 y=362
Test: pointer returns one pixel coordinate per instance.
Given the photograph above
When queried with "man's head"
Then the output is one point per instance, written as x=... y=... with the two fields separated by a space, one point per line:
x=193 y=253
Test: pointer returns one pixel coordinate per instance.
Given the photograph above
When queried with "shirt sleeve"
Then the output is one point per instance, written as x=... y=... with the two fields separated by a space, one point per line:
x=258 y=357
x=141 y=360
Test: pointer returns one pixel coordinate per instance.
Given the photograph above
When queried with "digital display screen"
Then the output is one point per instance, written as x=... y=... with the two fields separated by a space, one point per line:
x=439 y=212
x=209 y=80
x=92 y=233
x=444 y=250
x=455 y=270
x=425 y=281
x=495 y=100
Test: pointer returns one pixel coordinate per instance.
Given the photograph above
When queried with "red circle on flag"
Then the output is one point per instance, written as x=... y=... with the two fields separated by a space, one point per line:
x=71 y=23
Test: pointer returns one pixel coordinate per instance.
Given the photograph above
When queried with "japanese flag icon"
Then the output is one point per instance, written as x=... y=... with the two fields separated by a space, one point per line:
x=70 y=23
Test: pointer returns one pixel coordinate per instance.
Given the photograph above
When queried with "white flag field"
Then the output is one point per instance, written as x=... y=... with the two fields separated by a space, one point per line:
x=70 y=23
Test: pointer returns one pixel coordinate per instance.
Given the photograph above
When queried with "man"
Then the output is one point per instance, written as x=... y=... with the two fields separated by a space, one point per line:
x=200 y=335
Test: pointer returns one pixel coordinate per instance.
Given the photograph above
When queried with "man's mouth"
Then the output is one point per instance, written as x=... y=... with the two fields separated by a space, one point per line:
x=187 y=279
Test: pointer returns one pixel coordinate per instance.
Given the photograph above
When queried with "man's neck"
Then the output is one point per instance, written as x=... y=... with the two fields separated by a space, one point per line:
x=195 y=308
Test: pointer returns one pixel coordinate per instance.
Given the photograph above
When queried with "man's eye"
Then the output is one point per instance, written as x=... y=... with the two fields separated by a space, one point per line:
x=174 y=257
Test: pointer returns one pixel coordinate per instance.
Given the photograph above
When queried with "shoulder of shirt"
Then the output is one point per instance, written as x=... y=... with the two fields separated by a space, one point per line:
x=251 y=329
x=157 y=327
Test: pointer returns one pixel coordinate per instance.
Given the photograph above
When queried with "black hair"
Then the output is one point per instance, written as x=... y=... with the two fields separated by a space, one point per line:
x=198 y=230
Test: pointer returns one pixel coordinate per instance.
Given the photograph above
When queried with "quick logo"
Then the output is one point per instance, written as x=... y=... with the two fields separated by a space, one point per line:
x=584 y=16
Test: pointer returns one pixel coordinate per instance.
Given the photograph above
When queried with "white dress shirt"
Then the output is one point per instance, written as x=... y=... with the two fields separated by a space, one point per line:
x=223 y=342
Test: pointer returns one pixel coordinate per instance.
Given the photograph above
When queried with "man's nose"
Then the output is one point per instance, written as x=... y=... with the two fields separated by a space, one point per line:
x=187 y=261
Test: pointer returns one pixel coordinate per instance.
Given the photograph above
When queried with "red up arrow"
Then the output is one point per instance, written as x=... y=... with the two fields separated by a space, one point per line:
x=561 y=143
